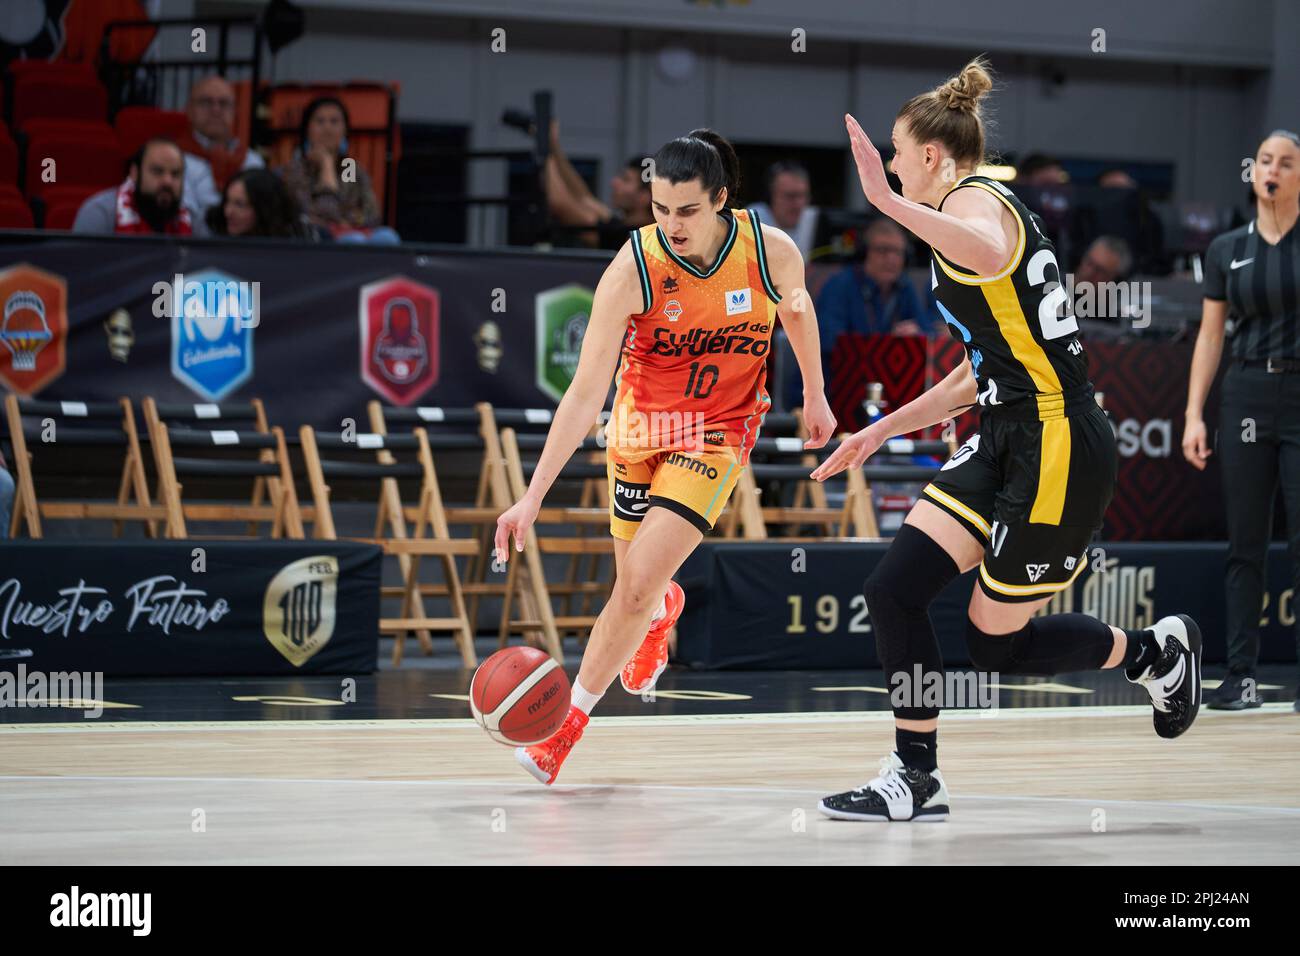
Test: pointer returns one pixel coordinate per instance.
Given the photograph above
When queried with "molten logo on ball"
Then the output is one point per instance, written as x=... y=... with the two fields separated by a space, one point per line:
x=520 y=696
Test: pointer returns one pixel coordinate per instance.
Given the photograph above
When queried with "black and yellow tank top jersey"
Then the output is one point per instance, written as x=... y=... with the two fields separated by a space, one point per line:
x=1018 y=326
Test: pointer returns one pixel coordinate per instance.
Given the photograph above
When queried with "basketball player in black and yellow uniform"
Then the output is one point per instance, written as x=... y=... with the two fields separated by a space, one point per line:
x=1024 y=496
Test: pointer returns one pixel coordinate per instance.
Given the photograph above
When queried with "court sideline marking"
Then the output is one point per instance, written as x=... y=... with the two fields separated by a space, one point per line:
x=648 y=720
x=519 y=784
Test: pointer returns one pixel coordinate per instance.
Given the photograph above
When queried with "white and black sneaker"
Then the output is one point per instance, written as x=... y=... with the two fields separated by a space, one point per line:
x=900 y=793
x=1174 y=680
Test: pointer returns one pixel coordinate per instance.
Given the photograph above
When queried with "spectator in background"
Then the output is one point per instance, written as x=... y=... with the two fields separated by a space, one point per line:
x=149 y=200
x=571 y=203
x=339 y=199
x=1148 y=234
x=1107 y=259
x=1038 y=169
x=257 y=203
x=789 y=195
x=873 y=297
x=212 y=153
x=1116 y=179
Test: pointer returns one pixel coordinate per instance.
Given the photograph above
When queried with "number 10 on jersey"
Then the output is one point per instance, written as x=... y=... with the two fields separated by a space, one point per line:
x=702 y=380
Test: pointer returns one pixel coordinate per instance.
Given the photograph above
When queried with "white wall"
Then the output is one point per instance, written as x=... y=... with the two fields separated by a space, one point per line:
x=1140 y=100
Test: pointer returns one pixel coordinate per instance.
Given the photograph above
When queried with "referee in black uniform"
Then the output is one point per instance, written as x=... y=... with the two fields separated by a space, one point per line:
x=1252 y=293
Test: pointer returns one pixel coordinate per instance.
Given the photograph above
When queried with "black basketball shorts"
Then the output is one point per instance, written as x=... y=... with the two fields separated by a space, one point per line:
x=1033 y=493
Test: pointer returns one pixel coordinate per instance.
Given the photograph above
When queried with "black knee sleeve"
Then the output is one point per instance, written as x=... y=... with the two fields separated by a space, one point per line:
x=899 y=593
x=1044 y=647
x=990 y=653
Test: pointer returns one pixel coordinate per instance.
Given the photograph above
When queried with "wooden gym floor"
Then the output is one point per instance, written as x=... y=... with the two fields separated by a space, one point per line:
x=721 y=768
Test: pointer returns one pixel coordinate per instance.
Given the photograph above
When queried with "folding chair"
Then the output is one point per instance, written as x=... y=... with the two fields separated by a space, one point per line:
x=429 y=535
x=857 y=518
x=526 y=580
x=90 y=425
x=478 y=429
x=253 y=452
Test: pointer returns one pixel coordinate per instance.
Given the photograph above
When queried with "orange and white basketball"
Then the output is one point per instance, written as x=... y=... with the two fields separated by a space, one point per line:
x=519 y=695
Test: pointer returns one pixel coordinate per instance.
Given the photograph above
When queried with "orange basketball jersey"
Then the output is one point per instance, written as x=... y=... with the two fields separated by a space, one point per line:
x=694 y=361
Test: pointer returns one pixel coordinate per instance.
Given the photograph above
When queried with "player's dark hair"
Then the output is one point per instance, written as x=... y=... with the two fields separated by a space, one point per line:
x=950 y=113
x=704 y=155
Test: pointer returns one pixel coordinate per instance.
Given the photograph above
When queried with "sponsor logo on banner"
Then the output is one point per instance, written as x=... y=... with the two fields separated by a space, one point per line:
x=1153 y=437
x=33 y=328
x=298 y=612
x=399 y=338
x=1122 y=594
x=561 y=323
x=161 y=603
x=212 y=344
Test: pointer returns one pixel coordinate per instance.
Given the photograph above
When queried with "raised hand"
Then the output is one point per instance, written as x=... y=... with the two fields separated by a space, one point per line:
x=871 y=169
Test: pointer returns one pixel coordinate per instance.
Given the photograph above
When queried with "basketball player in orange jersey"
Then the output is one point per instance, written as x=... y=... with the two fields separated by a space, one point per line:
x=686 y=309
x=1024 y=496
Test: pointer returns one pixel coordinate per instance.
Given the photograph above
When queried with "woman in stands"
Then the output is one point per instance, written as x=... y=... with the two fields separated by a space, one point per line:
x=1024 y=496
x=256 y=203
x=686 y=310
x=336 y=197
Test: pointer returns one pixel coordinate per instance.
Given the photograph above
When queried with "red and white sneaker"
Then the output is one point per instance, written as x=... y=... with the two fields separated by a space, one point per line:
x=643 y=670
x=543 y=760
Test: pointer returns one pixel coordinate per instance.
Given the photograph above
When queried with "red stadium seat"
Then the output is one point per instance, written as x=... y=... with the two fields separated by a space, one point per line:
x=61 y=215
x=8 y=159
x=14 y=214
x=58 y=97
x=8 y=191
x=79 y=160
x=61 y=204
x=135 y=124
x=27 y=69
x=36 y=126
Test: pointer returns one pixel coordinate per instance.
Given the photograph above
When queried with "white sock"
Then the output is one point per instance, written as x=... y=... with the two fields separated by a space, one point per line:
x=583 y=699
x=663 y=609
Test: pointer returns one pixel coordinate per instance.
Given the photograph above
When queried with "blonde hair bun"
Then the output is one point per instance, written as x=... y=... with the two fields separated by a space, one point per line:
x=965 y=90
